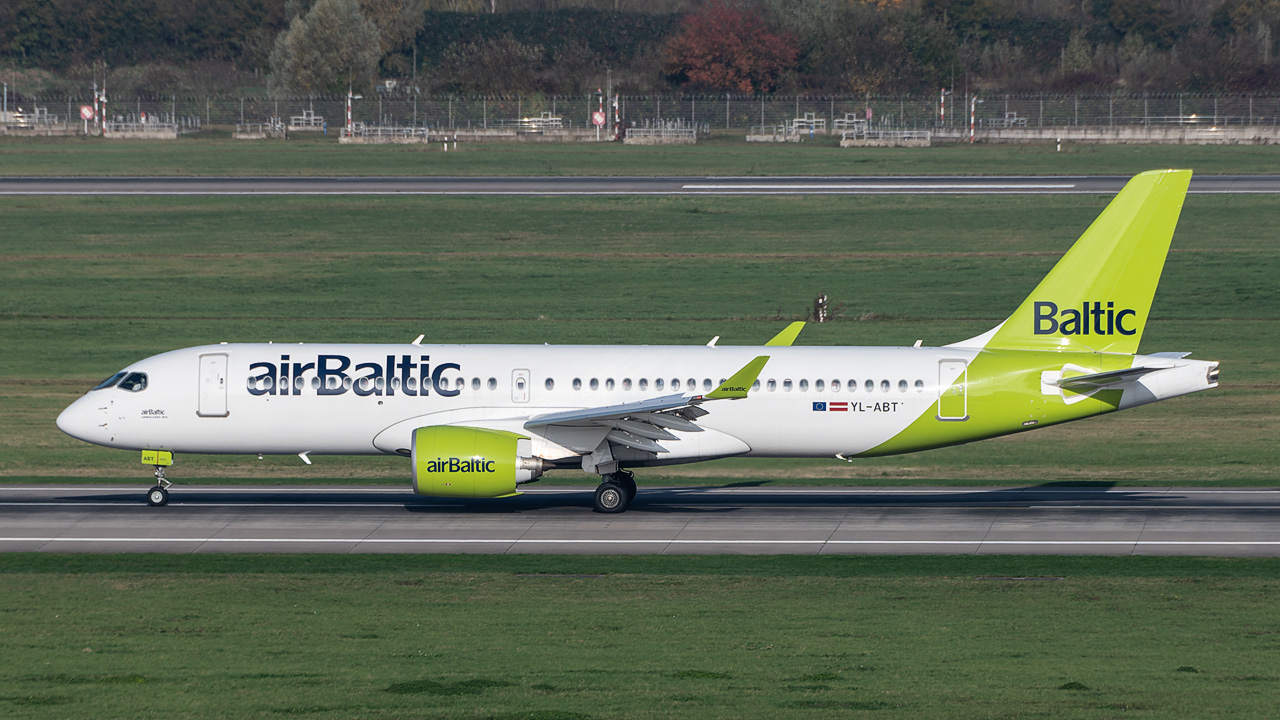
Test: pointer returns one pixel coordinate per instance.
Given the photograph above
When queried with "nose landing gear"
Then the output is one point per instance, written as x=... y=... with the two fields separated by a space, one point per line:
x=616 y=492
x=158 y=496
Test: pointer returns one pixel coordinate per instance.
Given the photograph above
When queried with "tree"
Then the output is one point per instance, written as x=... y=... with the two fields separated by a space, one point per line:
x=329 y=49
x=494 y=66
x=726 y=46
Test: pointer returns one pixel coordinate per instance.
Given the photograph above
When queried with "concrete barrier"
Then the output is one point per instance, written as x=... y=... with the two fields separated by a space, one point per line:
x=1190 y=134
x=383 y=140
x=140 y=131
x=47 y=130
x=515 y=135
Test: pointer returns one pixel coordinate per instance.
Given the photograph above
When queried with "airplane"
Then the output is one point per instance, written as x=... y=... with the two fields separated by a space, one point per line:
x=480 y=421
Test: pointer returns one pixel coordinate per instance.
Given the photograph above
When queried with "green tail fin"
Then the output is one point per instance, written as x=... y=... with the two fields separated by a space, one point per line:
x=1097 y=298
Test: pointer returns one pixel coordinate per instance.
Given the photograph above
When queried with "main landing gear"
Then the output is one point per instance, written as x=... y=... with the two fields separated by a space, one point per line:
x=616 y=492
x=158 y=496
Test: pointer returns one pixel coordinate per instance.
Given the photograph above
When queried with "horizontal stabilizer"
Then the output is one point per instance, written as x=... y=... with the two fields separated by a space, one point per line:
x=1098 y=381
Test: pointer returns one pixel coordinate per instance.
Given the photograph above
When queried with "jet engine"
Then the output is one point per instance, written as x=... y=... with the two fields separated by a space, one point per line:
x=467 y=462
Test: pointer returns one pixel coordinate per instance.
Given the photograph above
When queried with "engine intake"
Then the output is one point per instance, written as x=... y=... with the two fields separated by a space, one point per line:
x=466 y=462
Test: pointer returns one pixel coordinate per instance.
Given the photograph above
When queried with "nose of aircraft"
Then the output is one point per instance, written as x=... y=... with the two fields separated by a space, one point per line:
x=74 y=420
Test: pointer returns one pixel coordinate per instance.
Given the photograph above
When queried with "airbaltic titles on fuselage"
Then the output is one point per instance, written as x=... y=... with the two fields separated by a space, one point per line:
x=383 y=378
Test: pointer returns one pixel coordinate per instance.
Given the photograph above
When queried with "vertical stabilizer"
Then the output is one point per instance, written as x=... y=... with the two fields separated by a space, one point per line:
x=1097 y=298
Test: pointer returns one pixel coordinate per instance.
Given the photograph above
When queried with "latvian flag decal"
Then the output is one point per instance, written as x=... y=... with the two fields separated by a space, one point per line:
x=831 y=407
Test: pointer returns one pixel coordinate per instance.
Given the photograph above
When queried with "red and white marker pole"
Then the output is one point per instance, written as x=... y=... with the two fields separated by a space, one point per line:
x=973 y=111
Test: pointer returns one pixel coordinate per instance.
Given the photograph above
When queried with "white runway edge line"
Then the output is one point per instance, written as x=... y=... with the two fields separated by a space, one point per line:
x=615 y=541
x=869 y=186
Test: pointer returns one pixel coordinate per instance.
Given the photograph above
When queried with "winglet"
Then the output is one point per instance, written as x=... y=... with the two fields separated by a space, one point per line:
x=737 y=386
x=787 y=336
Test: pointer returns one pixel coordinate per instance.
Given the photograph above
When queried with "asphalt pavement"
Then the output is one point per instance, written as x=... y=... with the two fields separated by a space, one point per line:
x=665 y=520
x=637 y=186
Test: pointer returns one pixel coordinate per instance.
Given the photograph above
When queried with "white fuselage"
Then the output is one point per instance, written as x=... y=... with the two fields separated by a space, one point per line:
x=367 y=399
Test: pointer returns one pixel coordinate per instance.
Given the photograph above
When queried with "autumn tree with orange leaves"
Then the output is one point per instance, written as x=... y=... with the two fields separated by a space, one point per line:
x=727 y=46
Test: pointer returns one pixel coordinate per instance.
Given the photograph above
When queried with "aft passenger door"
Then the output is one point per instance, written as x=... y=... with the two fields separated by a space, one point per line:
x=953 y=390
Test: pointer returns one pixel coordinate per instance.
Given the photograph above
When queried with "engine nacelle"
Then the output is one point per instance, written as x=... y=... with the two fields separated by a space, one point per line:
x=467 y=462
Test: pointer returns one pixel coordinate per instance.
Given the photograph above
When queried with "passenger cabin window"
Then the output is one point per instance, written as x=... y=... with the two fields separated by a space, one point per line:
x=818 y=385
x=884 y=386
x=706 y=384
x=134 y=382
x=870 y=385
x=755 y=386
x=657 y=384
x=644 y=384
x=902 y=386
x=786 y=385
x=626 y=383
x=804 y=386
x=577 y=383
x=109 y=382
x=772 y=385
x=835 y=386
x=475 y=383
x=919 y=386
x=595 y=383
x=675 y=384
x=493 y=383
x=608 y=384
x=550 y=384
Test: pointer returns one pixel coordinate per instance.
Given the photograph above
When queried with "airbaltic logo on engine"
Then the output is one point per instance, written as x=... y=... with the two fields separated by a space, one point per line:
x=458 y=465
x=328 y=376
x=1093 y=319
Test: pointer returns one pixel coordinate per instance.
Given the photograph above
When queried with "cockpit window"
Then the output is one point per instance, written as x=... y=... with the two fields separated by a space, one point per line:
x=135 y=382
x=110 y=381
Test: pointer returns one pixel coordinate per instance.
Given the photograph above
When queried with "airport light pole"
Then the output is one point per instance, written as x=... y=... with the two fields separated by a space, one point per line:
x=351 y=128
x=973 y=110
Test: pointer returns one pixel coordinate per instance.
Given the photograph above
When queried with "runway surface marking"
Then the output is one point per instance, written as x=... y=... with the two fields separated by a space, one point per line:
x=884 y=186
x=755 y=506
x=357 y=490
x=615 y=541
x=655 y=186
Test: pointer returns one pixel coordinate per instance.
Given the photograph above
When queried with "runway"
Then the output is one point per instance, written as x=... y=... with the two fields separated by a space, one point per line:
x=627 y=186
x=668 y=520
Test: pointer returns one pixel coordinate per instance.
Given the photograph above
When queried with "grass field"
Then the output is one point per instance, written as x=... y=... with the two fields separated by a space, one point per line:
x=724 y=154
x=93 y=284
x=548 y=638
x=90 y=285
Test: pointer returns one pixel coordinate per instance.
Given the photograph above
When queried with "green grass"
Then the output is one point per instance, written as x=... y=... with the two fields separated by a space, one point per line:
x=723 y=154
x=91 y=285
x=626 y=637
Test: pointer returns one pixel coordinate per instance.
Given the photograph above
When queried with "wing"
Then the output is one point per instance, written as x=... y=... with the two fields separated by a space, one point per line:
x=643 y=423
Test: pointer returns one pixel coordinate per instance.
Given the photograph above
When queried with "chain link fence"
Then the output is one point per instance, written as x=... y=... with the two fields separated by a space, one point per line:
x=725 y=112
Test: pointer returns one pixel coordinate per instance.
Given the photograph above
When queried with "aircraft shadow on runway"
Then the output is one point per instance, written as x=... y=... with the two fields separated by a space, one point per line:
x=724 y=498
